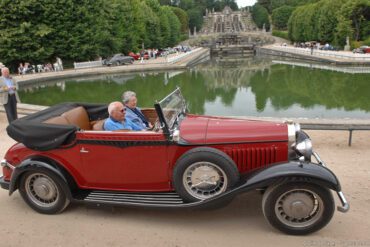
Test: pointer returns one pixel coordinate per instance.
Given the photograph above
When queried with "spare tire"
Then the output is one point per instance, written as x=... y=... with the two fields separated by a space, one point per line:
x=202 y=173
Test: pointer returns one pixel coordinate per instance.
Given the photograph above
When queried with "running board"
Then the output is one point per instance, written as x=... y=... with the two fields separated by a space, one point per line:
x=155 y=199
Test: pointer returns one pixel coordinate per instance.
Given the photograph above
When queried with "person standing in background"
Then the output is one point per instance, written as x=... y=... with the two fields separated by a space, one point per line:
x=8 y=94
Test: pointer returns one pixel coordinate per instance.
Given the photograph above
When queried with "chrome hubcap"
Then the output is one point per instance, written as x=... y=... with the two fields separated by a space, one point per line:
x=41 y=190
x=299 y=208
x=204 y=180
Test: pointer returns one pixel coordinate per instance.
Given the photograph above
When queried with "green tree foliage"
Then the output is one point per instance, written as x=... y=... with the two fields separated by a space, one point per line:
x=183 y=18
x=260 y=16
x=37 y=31
x=331 y=21
x=302 y=24
x=327 y=20
x=354 y=21
x=270 y=5
x=174 y=26
x=195 y=18
x=280 y=17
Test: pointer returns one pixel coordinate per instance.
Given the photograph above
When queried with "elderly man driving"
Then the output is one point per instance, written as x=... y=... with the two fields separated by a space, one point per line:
x=116 y=120
x=133 y=112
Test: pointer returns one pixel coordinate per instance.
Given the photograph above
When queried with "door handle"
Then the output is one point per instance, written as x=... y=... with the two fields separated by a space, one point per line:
x=83 y=150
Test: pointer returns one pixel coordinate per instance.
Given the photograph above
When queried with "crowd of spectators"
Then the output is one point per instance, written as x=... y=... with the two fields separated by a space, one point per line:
x=26 y=68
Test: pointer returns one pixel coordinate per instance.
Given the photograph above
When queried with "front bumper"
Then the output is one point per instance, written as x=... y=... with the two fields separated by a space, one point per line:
x=4 y=184
x=345 y=205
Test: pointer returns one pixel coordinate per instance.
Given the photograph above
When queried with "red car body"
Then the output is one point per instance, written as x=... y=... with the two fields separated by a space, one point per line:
x=134 y=55
x=185 y=161
x=137 y=56
x=262 y=144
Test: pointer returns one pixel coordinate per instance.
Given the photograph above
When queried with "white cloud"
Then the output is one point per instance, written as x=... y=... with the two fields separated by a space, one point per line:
x=243 y=3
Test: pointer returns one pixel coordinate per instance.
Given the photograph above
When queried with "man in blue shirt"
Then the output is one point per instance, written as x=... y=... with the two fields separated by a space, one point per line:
x=116 y=120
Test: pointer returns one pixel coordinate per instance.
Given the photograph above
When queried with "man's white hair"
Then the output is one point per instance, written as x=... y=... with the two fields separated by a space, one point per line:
x=113 y=106
x=4 y=69
x=126 y=96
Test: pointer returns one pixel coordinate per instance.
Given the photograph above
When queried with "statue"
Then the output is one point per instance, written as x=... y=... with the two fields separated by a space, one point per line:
x=264 y=28
x=347 y=47
x=195 y=31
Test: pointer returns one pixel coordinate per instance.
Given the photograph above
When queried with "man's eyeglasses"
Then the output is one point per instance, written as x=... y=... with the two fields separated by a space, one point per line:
x=123 y=110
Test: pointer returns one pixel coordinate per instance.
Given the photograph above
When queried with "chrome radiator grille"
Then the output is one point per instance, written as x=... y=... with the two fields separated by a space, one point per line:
x=251 y=158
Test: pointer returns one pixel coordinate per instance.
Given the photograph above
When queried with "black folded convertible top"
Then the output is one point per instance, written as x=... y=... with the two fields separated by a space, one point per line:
x=34 y=134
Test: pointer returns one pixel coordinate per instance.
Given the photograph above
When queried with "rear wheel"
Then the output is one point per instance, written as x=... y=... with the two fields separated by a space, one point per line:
x=42 y=191
x=202 y=173
x=298 y=208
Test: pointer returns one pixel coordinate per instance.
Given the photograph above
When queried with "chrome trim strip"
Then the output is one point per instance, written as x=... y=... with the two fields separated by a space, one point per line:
x=291 y=139
x=291 y=133
x=164 y=198
x=345 y=205
x=5 y=163
x=144 y=198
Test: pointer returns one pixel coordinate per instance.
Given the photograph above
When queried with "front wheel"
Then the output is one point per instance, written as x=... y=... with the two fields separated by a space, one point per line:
x=202 y=173
x=42 y=191
x=298 y=208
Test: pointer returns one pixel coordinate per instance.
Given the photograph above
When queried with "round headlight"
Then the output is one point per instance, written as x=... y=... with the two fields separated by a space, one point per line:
x=305 y=148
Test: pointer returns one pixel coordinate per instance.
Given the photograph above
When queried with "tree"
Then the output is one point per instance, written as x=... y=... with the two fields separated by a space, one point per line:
x=280 y=17
x=183 y=18
x=327 y=19
x=302 y=25
x=353 y=21
x=195 y=19
x=174 y=26
x=260 y=16
x=37 y=31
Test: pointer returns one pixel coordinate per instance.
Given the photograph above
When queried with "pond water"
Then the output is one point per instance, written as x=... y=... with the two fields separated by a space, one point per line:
x=258 y=86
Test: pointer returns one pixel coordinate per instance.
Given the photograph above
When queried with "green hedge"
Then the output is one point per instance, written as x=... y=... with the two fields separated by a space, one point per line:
x=281 y=34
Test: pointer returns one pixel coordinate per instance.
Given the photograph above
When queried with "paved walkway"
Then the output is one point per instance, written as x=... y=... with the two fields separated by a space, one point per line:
x=338 y=57
x=171 y=62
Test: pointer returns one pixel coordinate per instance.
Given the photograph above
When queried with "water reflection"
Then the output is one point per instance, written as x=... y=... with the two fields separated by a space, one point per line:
x=232 y=87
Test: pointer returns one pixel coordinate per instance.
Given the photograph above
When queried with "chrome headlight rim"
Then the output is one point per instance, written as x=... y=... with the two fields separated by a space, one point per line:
x=304 y=148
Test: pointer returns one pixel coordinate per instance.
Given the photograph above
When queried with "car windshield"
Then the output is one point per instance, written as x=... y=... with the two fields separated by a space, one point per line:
x=172 y=107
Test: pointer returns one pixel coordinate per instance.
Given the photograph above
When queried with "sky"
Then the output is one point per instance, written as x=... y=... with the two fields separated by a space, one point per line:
x=243 y=3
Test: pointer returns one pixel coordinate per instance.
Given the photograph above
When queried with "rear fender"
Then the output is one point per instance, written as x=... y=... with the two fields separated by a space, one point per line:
x=299 y=171
x=34 y=165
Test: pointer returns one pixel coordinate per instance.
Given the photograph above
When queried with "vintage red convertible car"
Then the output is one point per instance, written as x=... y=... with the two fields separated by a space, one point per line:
x=186 y=161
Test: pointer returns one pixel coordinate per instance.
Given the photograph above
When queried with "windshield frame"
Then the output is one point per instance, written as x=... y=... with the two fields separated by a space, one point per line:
x=169 y=117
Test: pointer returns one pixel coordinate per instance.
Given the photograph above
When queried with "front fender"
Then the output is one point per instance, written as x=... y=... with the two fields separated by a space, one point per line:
x=296 y=169
x=34 y=165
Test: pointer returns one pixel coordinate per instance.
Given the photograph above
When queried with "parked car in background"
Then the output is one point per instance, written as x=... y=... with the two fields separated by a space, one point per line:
x=134 y=55
x=328 y=47
x=63 y=155
x=118 y=59
x=362 y=49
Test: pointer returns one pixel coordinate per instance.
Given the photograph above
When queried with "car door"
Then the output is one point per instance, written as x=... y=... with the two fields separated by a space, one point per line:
x=134 y=161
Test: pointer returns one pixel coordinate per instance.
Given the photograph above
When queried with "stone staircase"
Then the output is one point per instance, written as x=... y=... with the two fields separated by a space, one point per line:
x=248 y=23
